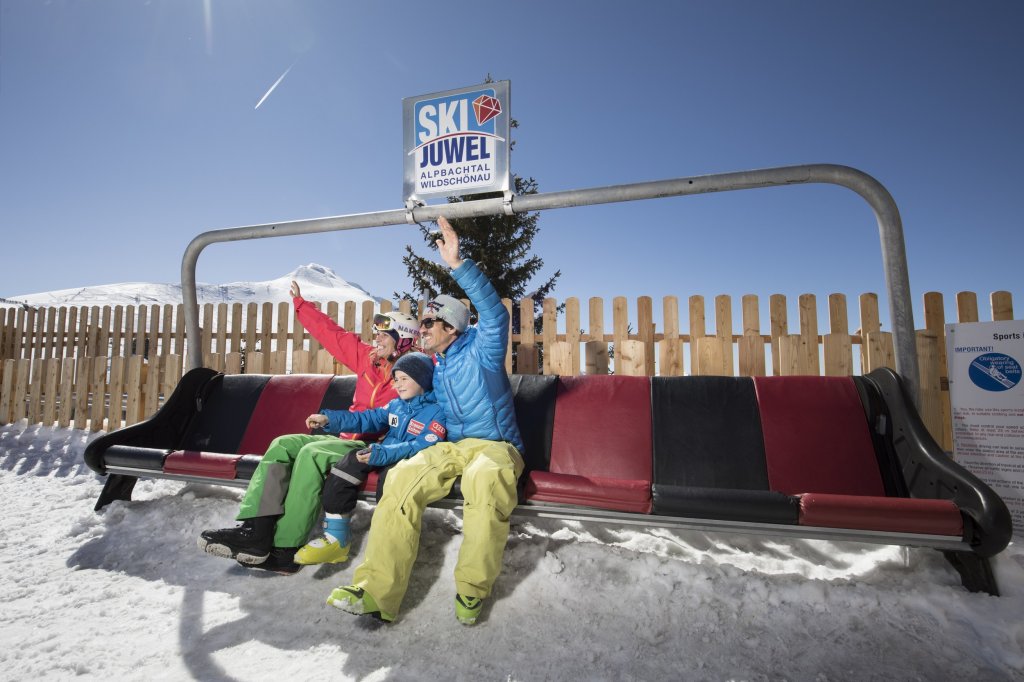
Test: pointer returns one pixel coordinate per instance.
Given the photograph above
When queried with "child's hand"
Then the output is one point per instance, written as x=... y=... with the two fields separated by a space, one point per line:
x=363 y=455
x=316 y=421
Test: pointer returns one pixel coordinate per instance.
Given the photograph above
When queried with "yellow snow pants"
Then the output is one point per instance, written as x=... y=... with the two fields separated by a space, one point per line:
x=489 y=470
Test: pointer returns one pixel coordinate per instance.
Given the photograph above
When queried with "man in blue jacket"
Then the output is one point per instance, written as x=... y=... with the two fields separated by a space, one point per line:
x=483 y=446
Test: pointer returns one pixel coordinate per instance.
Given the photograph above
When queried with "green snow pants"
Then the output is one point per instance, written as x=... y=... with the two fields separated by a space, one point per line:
x=288 y=481
x=489 y=470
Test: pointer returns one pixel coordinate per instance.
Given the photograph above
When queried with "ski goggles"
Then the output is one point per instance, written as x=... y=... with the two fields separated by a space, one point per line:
x=381 y=323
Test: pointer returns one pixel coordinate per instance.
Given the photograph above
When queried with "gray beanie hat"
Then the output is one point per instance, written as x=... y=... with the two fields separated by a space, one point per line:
x=451 y=310
x=419 y=367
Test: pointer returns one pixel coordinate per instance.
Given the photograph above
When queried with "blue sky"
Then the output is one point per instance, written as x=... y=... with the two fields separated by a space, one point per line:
x=129 y=127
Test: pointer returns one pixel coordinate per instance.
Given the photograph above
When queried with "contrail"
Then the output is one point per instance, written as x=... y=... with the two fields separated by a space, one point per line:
x=276 y=83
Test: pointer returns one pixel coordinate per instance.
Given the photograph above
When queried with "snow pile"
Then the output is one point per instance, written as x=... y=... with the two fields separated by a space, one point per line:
x=125 y=594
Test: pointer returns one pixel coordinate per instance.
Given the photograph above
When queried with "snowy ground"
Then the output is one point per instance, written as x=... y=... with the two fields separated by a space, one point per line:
x=125 y=594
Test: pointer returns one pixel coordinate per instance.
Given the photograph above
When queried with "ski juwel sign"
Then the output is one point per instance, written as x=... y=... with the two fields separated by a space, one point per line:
x=457 y=142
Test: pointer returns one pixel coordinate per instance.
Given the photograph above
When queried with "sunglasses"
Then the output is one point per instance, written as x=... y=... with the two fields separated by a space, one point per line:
x=428 y=322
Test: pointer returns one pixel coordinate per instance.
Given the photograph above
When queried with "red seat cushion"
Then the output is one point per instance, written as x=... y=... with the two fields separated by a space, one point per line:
x=590 y=491
x=283 y=406
x=816 y=436
x=205 y=464
x=894 y=514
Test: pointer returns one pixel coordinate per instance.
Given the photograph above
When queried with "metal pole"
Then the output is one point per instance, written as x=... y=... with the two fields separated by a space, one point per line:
x=890 y=230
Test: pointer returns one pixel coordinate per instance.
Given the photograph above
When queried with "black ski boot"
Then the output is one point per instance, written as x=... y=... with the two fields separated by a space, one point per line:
x=280 y=560
x=249 y=543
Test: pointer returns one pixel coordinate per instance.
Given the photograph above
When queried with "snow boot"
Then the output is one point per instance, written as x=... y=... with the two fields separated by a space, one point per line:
x=358 y=601
x=249 y=543
x=467 y=609
x=330 y=548
x=280 y=560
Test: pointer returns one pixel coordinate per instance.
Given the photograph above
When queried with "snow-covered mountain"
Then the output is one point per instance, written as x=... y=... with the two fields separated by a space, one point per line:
x=318 y=283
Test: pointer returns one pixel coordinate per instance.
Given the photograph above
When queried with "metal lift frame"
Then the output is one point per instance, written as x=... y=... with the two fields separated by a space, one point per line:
x=890 y=229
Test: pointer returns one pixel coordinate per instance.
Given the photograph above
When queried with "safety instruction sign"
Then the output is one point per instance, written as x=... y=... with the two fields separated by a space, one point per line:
x=457 y=142
x=987 y=399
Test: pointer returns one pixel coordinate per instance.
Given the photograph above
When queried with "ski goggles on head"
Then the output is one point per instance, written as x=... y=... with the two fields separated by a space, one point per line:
x=381 y=323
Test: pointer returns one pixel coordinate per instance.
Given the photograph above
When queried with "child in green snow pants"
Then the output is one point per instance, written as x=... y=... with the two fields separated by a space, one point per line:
x=288 y=481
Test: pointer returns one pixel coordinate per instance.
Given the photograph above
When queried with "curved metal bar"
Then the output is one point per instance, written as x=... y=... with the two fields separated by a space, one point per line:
x=890 y=229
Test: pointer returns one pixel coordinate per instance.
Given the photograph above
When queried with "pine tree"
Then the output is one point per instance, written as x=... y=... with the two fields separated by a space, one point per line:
x=500 y=246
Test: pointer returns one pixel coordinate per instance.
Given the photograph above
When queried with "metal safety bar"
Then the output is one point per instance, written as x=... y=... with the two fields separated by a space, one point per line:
x=890 y=229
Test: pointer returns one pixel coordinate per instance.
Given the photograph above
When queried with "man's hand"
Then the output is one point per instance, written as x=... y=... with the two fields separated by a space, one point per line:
x=294 y=289
x=448 y=245
x=364 y=455
x=316 y=421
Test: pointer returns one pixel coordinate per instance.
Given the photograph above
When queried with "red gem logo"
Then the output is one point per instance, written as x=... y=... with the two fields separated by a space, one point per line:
x=486 y=107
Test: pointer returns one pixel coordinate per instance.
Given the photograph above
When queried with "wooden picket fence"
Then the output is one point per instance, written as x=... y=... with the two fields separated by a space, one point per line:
x=103 y=368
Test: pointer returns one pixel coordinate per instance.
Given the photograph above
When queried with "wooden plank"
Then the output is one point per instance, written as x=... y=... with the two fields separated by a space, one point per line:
x=778 y=329
x=751 y=355
x=251 y=318
x=67 y=383
x=367 y=311
x=35 y=393
x=19 y=406
x=31 y=338
x=558 y=359
x=723 y=330
x=206 y=329
x=967 y=306
x=220 y=330
x=62 y=333
x=167 y=329
x=869 y=324
x=171 y=374
x=298 y=333
x=233 y=363
x=134 y=388
x=18 y=349
x=7 y=390
x=115 y=408
x=301 y=362
x=930 y=387
x=789 y=355
x=751 y=314
x=838 y=317
x=282 y=316
x=631 y=359
x=507 y=302
x=117 y=331
x=527 y=359
x=549 y=330
x=278 y=362
x=935 y=324
x=1002 y=306
x=128 y=344
x=526 y=322
x=670 y=350
x=103 y=342
x=141 y=325
x=254 y=362
x=879 y=351
x=596 y=354
x=266 y=327
x=838 y=351
x=179 y=330
x=51 y=377
x=325 y=362
x=82 y=375
x=98 y=391
x=620 y=326
x=573 y=329
x=710 y=356
x=151 y=389
x=72 y=330
x=808 y=304
x=697 y=328
x=645 y=330
x=50 y=342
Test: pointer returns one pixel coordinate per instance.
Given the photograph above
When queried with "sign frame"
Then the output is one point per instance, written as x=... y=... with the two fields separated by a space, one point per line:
x=457 y=142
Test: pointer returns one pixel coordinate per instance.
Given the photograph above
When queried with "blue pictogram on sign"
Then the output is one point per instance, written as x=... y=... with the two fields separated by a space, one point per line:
x=994 y=372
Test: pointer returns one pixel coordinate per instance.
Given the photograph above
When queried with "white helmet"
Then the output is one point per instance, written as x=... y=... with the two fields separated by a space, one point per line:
x=402 y=327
